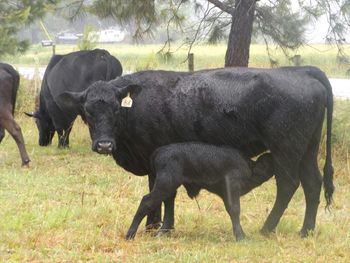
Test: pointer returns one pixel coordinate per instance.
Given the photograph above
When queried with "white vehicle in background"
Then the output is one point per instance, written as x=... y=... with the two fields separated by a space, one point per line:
x=66 y=37
x=111 y=35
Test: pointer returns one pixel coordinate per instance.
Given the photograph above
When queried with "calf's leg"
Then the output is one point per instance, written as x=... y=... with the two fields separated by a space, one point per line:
x=163 y=189
x=168 y=222
x=154 y=218
x=7 y=122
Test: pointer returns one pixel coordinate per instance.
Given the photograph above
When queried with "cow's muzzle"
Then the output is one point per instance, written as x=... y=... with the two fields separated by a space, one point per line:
x=104 y=147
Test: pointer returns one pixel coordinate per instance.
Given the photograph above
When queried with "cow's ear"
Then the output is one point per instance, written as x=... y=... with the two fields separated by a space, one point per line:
x=132 y=89
x=33 y=114
x=71 y=100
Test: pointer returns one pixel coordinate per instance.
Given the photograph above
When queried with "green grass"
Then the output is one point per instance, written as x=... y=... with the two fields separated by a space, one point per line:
x=74 y=205
x=141 y=57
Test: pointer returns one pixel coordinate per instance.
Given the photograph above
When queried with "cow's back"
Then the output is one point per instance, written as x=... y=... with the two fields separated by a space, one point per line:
x=76 y=71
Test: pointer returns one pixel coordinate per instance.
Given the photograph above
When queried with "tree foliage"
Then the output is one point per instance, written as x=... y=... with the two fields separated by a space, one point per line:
x=282 y=22
x=14 y=15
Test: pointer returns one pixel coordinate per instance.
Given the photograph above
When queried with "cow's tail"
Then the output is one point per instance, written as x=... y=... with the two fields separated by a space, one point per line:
x=15 y=87
x=328 y=168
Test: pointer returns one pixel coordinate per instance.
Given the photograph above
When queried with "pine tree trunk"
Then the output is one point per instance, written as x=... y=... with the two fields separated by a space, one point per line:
x=237 y=53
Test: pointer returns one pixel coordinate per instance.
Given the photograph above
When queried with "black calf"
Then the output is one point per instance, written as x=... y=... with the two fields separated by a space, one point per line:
x=221 y=170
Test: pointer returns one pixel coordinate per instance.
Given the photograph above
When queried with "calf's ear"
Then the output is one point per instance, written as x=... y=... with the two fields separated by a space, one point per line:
x=133 y=89
x=71 y=100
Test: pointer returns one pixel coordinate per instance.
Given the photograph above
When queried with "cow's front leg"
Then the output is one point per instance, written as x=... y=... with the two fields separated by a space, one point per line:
x=63 y=137
x=154 y=218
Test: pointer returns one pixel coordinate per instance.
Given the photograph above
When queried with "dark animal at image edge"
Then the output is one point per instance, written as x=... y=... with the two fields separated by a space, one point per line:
x=220 y=170
x=9 y=83
x=72 y=72
x=253 y=110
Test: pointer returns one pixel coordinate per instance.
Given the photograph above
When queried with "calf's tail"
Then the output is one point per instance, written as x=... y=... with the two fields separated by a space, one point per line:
x=328 y=168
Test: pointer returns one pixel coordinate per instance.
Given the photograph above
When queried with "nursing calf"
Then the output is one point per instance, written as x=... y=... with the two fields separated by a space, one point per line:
x=9 y=82
x=221 y=170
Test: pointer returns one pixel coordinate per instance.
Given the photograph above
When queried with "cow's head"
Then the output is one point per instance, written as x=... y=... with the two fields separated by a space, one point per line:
x=100 y=106
x=45 y=127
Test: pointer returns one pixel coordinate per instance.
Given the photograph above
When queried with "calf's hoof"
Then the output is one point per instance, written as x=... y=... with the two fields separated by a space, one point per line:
x=239 y=236
x=266 y=232
x=305 y=233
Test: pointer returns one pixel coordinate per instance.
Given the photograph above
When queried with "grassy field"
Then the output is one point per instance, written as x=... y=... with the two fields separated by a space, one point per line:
x=74 y=205
x=141 y=57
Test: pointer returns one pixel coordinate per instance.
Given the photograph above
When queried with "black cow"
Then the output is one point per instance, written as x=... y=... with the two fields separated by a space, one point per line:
x=221 y=170
x=72 y=72
x=9 y=83
x=249 y=109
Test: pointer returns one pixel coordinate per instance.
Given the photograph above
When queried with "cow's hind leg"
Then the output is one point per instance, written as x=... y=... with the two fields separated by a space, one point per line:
x=163 y=189
x=287 y=181
x=154 y=220
x=311 y=182
x=15 y=130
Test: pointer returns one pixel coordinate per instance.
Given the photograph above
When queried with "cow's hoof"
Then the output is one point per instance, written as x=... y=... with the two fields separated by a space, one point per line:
x=130 y=235
x=25 y=163
x=63 y=146
x=164 y=232
x=153 y=226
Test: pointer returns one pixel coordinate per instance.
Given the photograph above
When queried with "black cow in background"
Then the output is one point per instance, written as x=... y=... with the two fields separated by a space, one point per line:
x=9 y=83
x=252 y=110
x=72 y=72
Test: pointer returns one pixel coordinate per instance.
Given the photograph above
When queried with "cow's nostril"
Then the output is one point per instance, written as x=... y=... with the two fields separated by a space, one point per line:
x=104 y=147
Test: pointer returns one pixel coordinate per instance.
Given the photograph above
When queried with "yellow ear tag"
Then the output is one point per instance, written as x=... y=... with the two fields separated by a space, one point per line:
x=127 y=101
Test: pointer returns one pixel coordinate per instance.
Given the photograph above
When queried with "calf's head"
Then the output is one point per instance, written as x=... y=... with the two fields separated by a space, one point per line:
x=100 y=106
x=45 y=127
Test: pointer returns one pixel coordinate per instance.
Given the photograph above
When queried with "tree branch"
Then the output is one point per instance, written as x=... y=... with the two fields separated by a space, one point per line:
x=224 y=7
